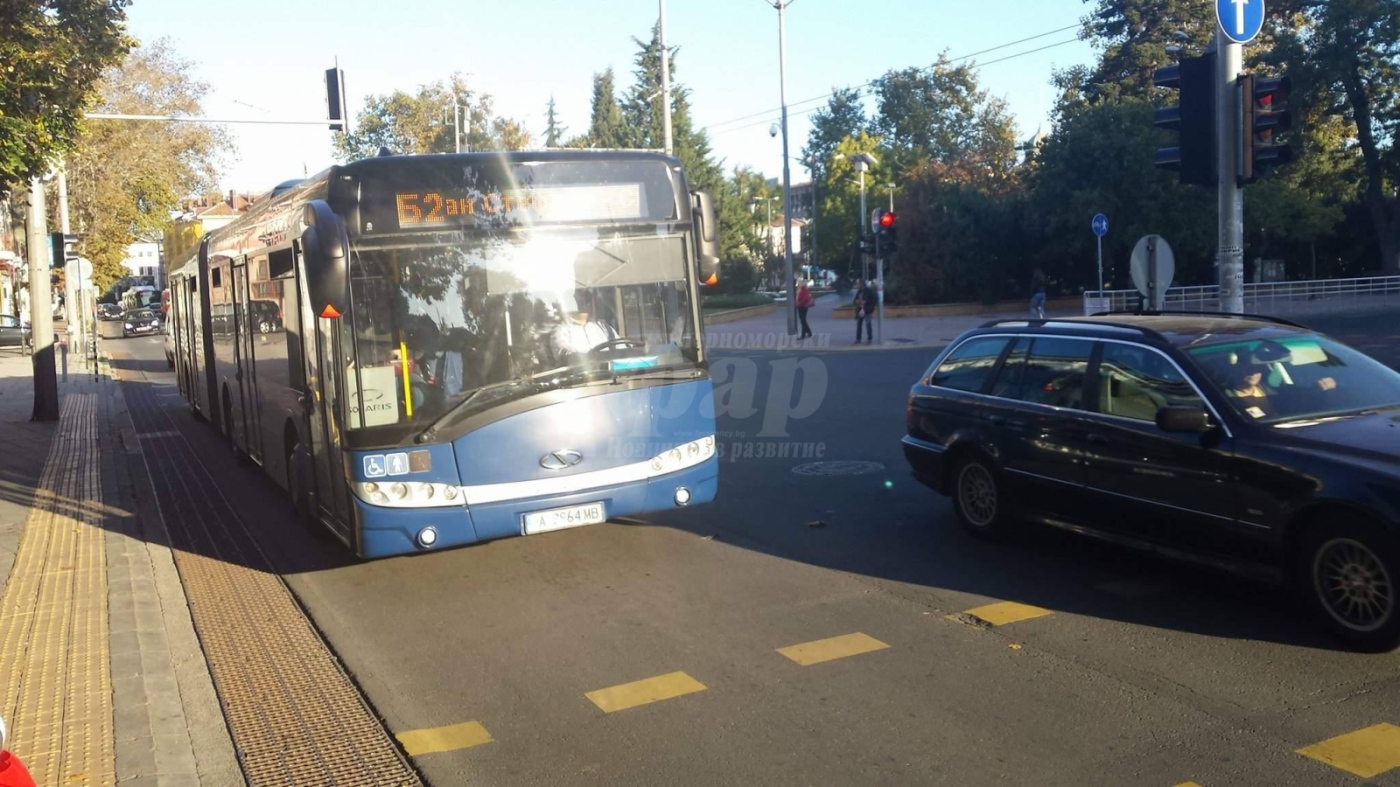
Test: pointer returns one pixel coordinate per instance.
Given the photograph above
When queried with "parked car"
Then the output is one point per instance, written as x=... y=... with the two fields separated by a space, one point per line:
x=109 y=311
x=140 y=322
x=169 y=347
x=1248 y=443
x=13 y=333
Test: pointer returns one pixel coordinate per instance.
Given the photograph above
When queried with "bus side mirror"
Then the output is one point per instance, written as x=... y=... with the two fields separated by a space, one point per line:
x=707 y=236
x=325 y=248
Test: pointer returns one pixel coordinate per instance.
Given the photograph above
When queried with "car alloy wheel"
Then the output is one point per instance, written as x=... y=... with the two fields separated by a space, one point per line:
x=977 y=494
x=1353 y=585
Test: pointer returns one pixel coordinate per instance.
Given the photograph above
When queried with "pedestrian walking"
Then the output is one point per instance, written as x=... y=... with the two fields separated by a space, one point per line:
x=865 y=310
x=804 y=302
x=1038 y=283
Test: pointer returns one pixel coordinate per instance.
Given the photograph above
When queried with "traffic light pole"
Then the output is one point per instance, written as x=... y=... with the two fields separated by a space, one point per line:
x=879 y=293
x=1230 y=257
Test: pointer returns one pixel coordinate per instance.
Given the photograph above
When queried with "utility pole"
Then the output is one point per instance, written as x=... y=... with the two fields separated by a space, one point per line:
x=1229 y=57
x=665 y=85
x=72 y=311
x=791 y=284
x=40 y=306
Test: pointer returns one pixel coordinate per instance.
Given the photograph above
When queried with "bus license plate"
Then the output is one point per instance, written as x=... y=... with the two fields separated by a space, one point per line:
x=561 y=518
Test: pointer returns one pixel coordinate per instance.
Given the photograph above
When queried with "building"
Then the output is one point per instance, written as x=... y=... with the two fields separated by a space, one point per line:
x=143 y=260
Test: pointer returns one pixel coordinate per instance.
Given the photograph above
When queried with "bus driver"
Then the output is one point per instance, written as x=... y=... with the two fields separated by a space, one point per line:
x=580 y=331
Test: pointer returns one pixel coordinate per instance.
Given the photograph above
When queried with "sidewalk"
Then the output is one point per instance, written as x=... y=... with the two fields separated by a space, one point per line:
x=102 y=679
x=769 y=331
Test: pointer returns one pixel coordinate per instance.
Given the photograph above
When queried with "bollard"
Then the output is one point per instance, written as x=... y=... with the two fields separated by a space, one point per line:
x=63 y=355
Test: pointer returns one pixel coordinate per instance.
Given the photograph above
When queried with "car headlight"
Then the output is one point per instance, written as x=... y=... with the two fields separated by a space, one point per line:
x=129 y=325
x=408 y=494
x=683 y=456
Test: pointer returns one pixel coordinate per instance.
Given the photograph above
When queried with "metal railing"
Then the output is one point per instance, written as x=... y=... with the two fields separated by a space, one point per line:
x=1268 y=297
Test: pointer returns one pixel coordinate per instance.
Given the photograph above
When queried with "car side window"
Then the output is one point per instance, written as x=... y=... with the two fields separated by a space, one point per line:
x=968 y=367
x=7 y=321
x=1013 y=370
x=1135 y=381
x=1055 y=372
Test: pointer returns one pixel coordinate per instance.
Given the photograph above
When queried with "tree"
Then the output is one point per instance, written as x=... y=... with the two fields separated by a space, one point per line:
x=606 y=128
x=842 y=117
x=840 y=199
x=554 y=131
x=421 y=122
x=1347 y=57
x=54 y=53
x=1133 y=36
x=126 y=177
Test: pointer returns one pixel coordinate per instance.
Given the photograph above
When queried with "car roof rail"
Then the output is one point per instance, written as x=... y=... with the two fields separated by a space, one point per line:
x=1036 y=323
x=1192 y=313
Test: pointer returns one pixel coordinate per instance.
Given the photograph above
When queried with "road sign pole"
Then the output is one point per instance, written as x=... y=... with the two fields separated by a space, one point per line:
x=1100 y=238
x=1230 y=197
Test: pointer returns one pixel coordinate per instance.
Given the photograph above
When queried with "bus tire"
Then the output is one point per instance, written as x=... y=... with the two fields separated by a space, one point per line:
x=299 y=488
x=239 y=457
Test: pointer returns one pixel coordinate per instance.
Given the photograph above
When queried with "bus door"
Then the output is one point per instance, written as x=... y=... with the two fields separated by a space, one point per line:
x=331 y=362
x=244 y=331
x=189 y=338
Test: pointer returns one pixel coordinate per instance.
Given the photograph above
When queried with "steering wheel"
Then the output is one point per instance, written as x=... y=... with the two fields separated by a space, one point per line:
x=621 y=342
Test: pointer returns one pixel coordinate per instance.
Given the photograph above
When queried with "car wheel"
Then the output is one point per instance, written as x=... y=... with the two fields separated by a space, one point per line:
x=1348 y=574
x=978 y=498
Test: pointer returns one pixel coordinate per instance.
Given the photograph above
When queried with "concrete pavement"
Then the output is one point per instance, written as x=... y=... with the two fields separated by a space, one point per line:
x=101 y=675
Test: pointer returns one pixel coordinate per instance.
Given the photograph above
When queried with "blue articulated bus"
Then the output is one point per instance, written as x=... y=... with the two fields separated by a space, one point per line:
x=430 y=351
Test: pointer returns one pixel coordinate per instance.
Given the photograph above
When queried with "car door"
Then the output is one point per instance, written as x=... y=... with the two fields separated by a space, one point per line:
x=1173 y=489
x=1039 y=427
x=9 y=331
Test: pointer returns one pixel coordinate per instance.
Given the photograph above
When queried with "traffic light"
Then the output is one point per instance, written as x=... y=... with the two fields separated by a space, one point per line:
x=887 y=232
x=1193 y=118
x=1264 y=115
x=61 y=249
x=335 y=100
x=867 y=243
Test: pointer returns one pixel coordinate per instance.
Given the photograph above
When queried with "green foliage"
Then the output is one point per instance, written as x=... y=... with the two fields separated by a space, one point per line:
x=52 y=52
x=421 y=122
x=554 y=131
x=124 y=178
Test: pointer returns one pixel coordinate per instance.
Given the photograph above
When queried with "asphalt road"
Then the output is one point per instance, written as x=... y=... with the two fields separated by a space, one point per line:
x=1132 y=671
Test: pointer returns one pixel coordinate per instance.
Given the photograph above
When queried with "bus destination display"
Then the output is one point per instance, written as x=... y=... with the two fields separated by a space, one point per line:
x=553 y=205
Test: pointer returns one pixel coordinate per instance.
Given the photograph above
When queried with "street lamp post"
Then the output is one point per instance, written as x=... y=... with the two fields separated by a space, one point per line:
x=790 y=285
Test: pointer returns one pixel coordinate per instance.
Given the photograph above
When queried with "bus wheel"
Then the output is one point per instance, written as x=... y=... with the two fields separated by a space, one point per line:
x=238 y=456
x=299 y=489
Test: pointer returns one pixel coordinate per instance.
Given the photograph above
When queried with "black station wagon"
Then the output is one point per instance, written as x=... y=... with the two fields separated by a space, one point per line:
x=1247 y=443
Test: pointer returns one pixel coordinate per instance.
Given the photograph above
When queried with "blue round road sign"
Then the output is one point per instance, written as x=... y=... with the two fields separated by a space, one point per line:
x=1100 y=225
x=1241 y=20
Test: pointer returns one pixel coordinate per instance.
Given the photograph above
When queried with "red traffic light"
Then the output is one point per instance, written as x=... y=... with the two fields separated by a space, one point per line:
x=886 y=219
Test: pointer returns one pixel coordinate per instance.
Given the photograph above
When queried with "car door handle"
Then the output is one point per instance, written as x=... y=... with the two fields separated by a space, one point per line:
x=1097 y=439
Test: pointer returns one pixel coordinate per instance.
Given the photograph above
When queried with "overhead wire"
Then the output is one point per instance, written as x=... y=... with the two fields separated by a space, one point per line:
x=714 y=128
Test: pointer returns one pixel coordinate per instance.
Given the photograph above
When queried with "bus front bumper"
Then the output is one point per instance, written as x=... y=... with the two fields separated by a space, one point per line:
x=388 y=531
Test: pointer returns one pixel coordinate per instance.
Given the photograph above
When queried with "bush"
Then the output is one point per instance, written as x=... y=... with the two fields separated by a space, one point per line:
x=737 y=301
x=736 y=277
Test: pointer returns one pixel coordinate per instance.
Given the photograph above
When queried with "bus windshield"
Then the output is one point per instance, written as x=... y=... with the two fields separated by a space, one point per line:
x=486 y=315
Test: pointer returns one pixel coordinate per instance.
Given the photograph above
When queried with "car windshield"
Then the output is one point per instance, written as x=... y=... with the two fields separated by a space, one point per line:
x=1275 y=381
x=490 y=310
x=141 y=314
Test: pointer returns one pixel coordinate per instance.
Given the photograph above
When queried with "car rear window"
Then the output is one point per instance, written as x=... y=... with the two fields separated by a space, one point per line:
x=968 y=367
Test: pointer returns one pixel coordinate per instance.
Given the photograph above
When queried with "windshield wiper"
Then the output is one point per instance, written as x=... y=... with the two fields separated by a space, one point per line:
x=431 y=431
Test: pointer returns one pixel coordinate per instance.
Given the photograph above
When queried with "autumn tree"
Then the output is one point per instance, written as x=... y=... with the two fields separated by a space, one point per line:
x=126 y=177
x=53 y=54
x=422 y=122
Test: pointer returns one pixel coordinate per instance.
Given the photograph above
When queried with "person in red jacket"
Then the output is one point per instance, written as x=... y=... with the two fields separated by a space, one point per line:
x=804 y=302
x=12 y=771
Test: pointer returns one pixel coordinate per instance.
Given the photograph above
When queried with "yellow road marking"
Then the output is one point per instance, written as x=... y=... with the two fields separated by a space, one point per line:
x=643 y=692
x=1004 y=612
x=449 y=738
x=809 y=653
x=1367 y=752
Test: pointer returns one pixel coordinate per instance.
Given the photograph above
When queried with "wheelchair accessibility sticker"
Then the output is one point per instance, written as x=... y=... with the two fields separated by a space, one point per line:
x=374 y=466
x=380 y=465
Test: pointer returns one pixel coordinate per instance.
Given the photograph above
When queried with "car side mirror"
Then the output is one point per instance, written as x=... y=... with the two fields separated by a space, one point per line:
x=1184 y=419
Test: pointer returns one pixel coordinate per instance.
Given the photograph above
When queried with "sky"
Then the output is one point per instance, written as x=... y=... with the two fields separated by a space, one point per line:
x=266 y=60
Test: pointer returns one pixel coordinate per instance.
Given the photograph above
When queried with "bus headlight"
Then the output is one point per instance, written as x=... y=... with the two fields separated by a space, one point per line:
x=408 y=494
x=681 y=457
